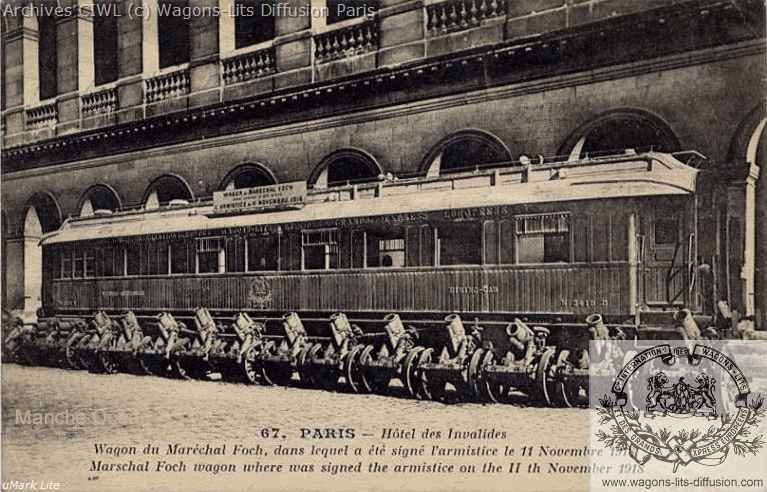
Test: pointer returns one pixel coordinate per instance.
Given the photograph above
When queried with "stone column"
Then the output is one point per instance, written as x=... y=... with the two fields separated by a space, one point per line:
x=204 y=65
x=130 y=63
x=74 y=42
x=401 y=31
x=21 y=82
x=293 y=47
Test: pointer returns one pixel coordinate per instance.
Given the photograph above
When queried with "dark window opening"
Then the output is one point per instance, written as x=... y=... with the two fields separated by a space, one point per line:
x=133 y=259
x=419 y=245
x=263 y=253
x=666 y=231
x=235 y=254
x=210 y=255
x=173 y=34
x=105 y=47
x=320 y=249
x=47 y=59
x=469 y=153
x=252 y=27
x=181 y=257
x=617 y=135
x=460 y=243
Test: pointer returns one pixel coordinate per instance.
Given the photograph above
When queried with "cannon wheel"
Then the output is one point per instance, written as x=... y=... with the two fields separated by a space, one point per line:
x=567 y=391
x=70 y=351
x=274 y=373
x=250 y=363
x=107 y=362
x=196 y=369
x=411 y=370
x=322 y=376
x=493 y=391
x=431 y=388
x=545 y=384
x=375 y=380
x=152 y=365
x=474 y=374
x=353 y=371
x=304 y=373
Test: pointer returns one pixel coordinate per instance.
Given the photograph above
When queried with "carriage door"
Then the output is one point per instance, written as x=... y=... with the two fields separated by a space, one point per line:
x=665 y=258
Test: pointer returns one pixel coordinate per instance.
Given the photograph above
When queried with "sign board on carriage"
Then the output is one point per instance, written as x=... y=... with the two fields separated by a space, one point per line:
x=271 y=197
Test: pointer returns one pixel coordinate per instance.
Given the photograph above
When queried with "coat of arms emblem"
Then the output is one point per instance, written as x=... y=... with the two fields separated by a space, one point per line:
x=667 y=404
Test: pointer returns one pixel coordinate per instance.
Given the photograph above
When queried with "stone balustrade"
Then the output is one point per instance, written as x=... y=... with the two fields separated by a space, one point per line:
x=457 y=15
x=346 y=41
x=166 y=86
x=101 y=102
x=42 y=116
x=248 y=66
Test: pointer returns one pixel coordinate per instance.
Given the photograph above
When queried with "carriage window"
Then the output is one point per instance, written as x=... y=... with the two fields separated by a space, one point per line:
x=66 y=264
x=77 y=263
x=157 y=258
x=666 y=231
x=210 y=255
x=320 y=249
x=235 y=254
x=180 y=257
x=263 y=253
x=460 y=243
x=543 y=238
x=89 y=263
x=419 y=245
x=386 y=248
x=133 y=258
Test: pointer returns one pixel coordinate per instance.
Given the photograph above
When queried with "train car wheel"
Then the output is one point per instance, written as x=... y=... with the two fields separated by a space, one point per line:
x=411 y=371
x=353 y=370
x=544 y=383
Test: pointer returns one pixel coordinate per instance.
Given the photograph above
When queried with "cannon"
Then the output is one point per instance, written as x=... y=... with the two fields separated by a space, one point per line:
x=92 y=349
x=50 y=342
x=154 y=356
x=323 y=363
x=278 y=360
x=525 y=364
x=370 y=368
x=434 y=368
x=191 y=359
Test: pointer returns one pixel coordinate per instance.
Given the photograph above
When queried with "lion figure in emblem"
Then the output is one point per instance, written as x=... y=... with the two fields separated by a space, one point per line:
x=660 y=395
x=703 y=395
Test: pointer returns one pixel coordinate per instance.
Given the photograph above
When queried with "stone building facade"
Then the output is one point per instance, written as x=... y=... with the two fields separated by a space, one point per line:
x=109 y=107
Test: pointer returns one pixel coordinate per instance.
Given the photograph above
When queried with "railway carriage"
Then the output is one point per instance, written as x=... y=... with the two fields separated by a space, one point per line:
x=542 y=245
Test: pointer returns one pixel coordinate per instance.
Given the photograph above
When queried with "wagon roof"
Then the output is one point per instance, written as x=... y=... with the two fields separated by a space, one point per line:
x=623 y=176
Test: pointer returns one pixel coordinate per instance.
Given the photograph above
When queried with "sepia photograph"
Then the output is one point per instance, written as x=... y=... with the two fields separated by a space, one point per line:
x=383 y=245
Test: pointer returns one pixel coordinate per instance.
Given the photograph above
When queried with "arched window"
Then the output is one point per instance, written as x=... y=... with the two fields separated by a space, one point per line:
x=249 y=175
x=98 y=197
x=463 y=151
x=618 y=131
x=345 y=166
x=165 y=189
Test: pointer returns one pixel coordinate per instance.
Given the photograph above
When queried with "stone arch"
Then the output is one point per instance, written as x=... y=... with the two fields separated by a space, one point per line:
x=98 y=197
x=166 y=188
x=747 y=154
x=345 y=166
x=464 y=150
x=248 y=175
x=618 y=130
x=41 y=215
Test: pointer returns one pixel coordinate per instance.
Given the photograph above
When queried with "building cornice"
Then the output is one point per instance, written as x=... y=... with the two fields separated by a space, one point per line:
x=570 y=57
